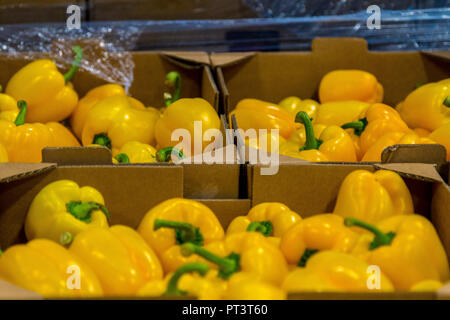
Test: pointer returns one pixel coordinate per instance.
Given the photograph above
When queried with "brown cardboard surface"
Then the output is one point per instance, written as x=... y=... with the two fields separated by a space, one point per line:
x=227 y=209
x=9 y=291
x=11 y=171
x=129 y=192
x=77 y=156
x=420 y=153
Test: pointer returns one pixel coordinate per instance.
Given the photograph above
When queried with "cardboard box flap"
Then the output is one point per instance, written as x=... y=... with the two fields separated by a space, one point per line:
x=9 y=291
x=327 y=45
x=420 y=171
x=12 y=171
x=443 y=55
x=419 y=153
x=227 y=154
x=443 y=293
x=229 y=58
x=187 y=59
x=70 y=156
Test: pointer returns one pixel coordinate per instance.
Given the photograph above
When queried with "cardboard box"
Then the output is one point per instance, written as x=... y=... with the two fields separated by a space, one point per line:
x=314 y=188
x=272 y=76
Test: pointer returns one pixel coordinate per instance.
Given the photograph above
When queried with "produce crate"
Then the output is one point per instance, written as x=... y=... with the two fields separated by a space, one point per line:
x=272 y=76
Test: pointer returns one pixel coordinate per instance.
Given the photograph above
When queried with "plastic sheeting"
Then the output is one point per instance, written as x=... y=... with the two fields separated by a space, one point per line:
x=400 y=30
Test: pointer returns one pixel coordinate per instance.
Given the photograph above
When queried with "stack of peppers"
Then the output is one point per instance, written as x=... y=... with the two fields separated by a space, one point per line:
x=351 y=123
x=39 y=102
x=181 y=249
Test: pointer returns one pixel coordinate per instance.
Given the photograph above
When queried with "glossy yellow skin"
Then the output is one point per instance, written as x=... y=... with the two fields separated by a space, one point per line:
x=25 y=143
x=120 y=257
x=257 y=114
x=43 y=87
x=372 y=197
x=265 y=141
x=294 y=105
x=442 y=136
x=247 y=286
x=79 y=115
x=123 y=119
x=426 y=286
x=163 y=240
x=3 y=154
x=339 y=112
x=137 y=152
x=381 y=119
x=328 y=271
x=259 y=255
x=8 y=108
x=390 y=139
x=281 y=217
x=424 y=107
x=181 y=115
x=48 y=217
x=415 y=254
x=319 y=232
x=344 y=85
x=421 y=132
x=43 y=266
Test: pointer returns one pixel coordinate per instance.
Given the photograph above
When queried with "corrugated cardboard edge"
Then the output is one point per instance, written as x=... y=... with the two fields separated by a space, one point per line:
x=13 y=171
x=419 y=153
x=9 y=291
x=187 y=59
x=419 y=171
x=229 y=58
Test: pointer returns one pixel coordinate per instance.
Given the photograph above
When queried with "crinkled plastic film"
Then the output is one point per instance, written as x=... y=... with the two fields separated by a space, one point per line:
x=106 y=49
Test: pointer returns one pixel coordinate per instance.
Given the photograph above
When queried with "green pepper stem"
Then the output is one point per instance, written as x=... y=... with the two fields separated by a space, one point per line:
x=102 y=139
x=184 y=232
x=83 y=210
x=173 y=79
x=122 y=158
x=75 y=64
x=66 y=238
x=227 y=266
x=163 y=155
x=358 y=126
x=381 y=238
x=311 y=141
x=305 y=256
x=264 y=227
x=172 y=286
x=447 y=102
x=20 y=119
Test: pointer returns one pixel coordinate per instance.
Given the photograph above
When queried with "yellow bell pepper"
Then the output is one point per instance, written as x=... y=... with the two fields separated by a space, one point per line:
x=442 y=136
x=49 y=269
x=63 y=207
x=119 y=256
x=49 y=94
x=390 y=139
x=8 y=107
x=268 y=218
x=135 y=152
x=319 y=232
x=79 y=115
x=332 y=271
x=428 y=106
x=334 y=143
x=244 y=252
x=405 y=247
x=176 y=221
x=299 y=136
x=247 y=286
x=3 y=154
x=344 y=85
x=257 y=114
x=116 y=120
x=426 y=286
x=373 y=197
x=378 y=120
x=294 y=105
x=421 y=132
x=338 y=113
x=24 y=141
x=192 y=279
x=266 y=141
